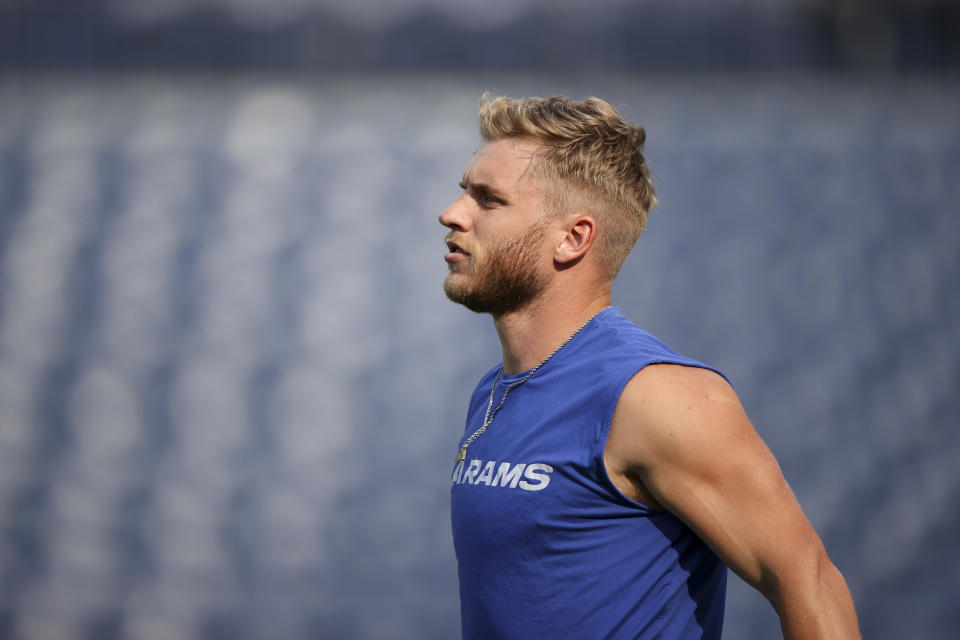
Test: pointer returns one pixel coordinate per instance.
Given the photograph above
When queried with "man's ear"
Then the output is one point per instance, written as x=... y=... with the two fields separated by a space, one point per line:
x=581 y=232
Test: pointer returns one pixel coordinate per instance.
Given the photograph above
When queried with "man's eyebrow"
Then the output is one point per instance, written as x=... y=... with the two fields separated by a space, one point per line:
x=480 y=188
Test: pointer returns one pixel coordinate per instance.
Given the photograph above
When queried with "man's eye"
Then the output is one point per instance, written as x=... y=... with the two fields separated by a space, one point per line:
x=488 y=200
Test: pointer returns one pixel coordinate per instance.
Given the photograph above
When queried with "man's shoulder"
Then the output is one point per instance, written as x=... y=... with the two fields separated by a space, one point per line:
x=679 y=379
x=617 y=334
x=622 y=343
x=677 y=398
x=667 y=409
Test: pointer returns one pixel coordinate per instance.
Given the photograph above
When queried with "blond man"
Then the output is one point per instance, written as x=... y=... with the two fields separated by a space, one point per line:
x=604 y=482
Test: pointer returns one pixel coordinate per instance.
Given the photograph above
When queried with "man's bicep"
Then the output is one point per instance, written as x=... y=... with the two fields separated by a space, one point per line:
x=685 y=435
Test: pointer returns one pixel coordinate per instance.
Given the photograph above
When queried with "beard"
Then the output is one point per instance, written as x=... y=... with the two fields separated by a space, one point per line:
x=508 y=279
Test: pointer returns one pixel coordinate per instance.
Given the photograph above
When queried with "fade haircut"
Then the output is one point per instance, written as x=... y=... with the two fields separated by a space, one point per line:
x=592 y=160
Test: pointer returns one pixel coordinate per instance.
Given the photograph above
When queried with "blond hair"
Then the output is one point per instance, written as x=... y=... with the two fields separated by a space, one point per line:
x=592 y=158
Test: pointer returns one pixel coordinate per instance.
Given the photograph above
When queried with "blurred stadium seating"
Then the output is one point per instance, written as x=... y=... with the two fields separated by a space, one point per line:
x=457 y=35
x=230 y=384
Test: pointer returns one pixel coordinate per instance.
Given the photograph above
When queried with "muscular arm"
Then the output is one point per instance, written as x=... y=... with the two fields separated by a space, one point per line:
x=682 y=435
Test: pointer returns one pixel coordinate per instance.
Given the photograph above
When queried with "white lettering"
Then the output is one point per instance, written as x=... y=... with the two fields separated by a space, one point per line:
x=529 y=477
x=487 y=474
x=505 y=474
x=537 y=474
x=471 y=471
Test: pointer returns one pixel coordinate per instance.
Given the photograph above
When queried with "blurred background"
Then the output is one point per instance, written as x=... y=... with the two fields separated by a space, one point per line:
x=230 y=384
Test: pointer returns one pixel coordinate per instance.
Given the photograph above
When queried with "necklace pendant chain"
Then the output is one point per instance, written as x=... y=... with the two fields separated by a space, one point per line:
x=491 y=412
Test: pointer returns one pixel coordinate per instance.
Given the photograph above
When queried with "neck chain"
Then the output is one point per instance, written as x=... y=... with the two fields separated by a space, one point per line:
x=491 y=412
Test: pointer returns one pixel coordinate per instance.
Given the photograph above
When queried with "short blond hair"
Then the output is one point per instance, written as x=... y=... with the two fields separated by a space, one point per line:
x=592 y=159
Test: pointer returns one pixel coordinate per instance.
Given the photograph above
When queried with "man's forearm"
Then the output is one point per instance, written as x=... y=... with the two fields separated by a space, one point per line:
x=820 y=610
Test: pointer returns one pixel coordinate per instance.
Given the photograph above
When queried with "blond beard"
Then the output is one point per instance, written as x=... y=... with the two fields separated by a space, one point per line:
x=508 y=279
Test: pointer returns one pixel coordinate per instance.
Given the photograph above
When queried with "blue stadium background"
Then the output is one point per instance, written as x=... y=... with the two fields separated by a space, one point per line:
x=230 y=385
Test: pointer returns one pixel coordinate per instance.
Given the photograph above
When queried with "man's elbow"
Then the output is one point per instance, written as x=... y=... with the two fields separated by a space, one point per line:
x=803 y=574
x=810 y=595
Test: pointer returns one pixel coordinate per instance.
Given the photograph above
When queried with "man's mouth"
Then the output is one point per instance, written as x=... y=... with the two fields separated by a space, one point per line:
x=455 y=252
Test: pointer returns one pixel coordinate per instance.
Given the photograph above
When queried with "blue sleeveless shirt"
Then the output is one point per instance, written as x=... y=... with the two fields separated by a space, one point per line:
x=546 y=545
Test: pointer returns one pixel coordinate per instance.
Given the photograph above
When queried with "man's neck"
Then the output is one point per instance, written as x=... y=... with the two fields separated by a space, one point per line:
x=531 y=334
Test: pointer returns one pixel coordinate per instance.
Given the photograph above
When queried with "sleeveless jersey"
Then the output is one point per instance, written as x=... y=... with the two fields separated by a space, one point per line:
x=546 y=545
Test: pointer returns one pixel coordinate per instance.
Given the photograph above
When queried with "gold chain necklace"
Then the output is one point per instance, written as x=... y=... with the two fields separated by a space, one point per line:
x=489 y=416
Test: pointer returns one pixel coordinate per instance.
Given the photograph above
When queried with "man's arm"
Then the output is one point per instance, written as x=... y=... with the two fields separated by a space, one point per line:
x=682 y=433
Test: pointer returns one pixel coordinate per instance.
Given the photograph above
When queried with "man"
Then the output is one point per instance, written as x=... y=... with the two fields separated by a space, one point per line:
x=603 y=480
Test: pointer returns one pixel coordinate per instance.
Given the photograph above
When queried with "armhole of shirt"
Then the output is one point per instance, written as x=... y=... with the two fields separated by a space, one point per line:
x=607 y=422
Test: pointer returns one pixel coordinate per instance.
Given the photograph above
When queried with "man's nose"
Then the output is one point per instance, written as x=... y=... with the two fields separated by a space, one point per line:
x=456 y=216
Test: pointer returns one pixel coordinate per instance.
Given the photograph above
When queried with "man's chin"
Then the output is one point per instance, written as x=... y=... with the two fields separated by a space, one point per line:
x=460 y=292
x=478 y=302
x=456 y=291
